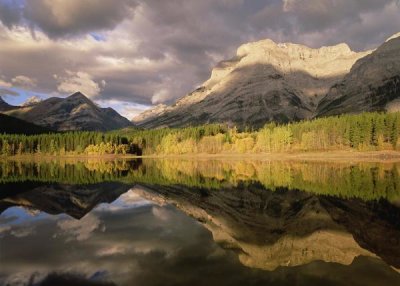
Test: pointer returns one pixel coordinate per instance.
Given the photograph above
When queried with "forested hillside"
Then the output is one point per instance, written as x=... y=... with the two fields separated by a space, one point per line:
x=363 y=132
x=9 y=124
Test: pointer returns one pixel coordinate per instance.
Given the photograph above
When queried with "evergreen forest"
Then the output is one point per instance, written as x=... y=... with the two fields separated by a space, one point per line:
x=362 y=132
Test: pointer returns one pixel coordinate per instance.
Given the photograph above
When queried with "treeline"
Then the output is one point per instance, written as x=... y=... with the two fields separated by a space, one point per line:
x=363 y=132
x=127 y=141
x=65 y=144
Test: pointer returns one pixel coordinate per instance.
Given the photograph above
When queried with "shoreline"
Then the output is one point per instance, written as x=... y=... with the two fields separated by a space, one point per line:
x=331 y=156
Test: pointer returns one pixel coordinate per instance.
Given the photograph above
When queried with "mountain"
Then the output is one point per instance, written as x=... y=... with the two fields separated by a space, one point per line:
x=265 y=81
x=33 y=100
x=75 y=112
x=373 y=84
x=12 y=125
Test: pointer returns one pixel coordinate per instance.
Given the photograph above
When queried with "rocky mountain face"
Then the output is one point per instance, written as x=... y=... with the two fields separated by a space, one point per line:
x=373 y=84
x=75 y=112
x=33 y=100
x=267 y=81
x=264 y=82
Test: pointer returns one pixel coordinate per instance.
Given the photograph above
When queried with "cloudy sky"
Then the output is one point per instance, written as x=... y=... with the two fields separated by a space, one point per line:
x=131 y=54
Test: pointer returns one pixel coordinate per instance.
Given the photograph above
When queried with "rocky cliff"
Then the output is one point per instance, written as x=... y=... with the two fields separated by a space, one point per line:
x=265 y=81
x=373 y=84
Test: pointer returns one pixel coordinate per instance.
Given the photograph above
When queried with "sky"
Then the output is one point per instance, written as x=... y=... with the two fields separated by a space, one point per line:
x=133 y=54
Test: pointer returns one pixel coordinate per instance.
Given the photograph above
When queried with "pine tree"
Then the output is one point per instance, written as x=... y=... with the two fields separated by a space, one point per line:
x=20 y=148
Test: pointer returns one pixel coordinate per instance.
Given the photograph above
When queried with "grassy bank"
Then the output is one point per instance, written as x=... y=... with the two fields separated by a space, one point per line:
x=340 y=156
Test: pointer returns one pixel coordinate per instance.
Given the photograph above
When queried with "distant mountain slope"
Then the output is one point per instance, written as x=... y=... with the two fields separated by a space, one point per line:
x=265 y=82
x=75 y=112
x=12 y=125
x=373 y=84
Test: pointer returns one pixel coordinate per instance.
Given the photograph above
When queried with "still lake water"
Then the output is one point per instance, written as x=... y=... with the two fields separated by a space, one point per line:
x=199 y=222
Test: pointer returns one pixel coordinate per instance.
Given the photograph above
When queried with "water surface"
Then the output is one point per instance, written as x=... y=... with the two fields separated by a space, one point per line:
x=199 y=222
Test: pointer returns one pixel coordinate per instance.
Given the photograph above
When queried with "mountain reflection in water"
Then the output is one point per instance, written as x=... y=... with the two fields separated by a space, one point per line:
x=200 y=222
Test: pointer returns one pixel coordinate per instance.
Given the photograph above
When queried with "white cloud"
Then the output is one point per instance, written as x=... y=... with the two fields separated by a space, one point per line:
x=161 y=213
x=125 y=108
x=24 y=81
x=80 y=229
x=17 y=231
x=79 y=81
x=160 y=96
x=4 y=229
x=113 y=250
x=4 y=83
x=132 y=110
x=5 y=91
x=23 y=231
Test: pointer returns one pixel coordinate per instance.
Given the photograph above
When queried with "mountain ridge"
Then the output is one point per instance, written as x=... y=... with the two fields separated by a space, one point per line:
x=362 y=89
x=75 y=112
x=265 y=81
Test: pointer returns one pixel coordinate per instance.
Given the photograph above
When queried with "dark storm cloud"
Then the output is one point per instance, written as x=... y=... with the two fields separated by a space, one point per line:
x=59 y=18
x=10 y=13
x=195 y=34
x=156 y=51
x=62 y=18
x=316 y=15
x=361 y=24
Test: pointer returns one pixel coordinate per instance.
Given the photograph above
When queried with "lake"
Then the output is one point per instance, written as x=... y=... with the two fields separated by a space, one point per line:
x=199 y=222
